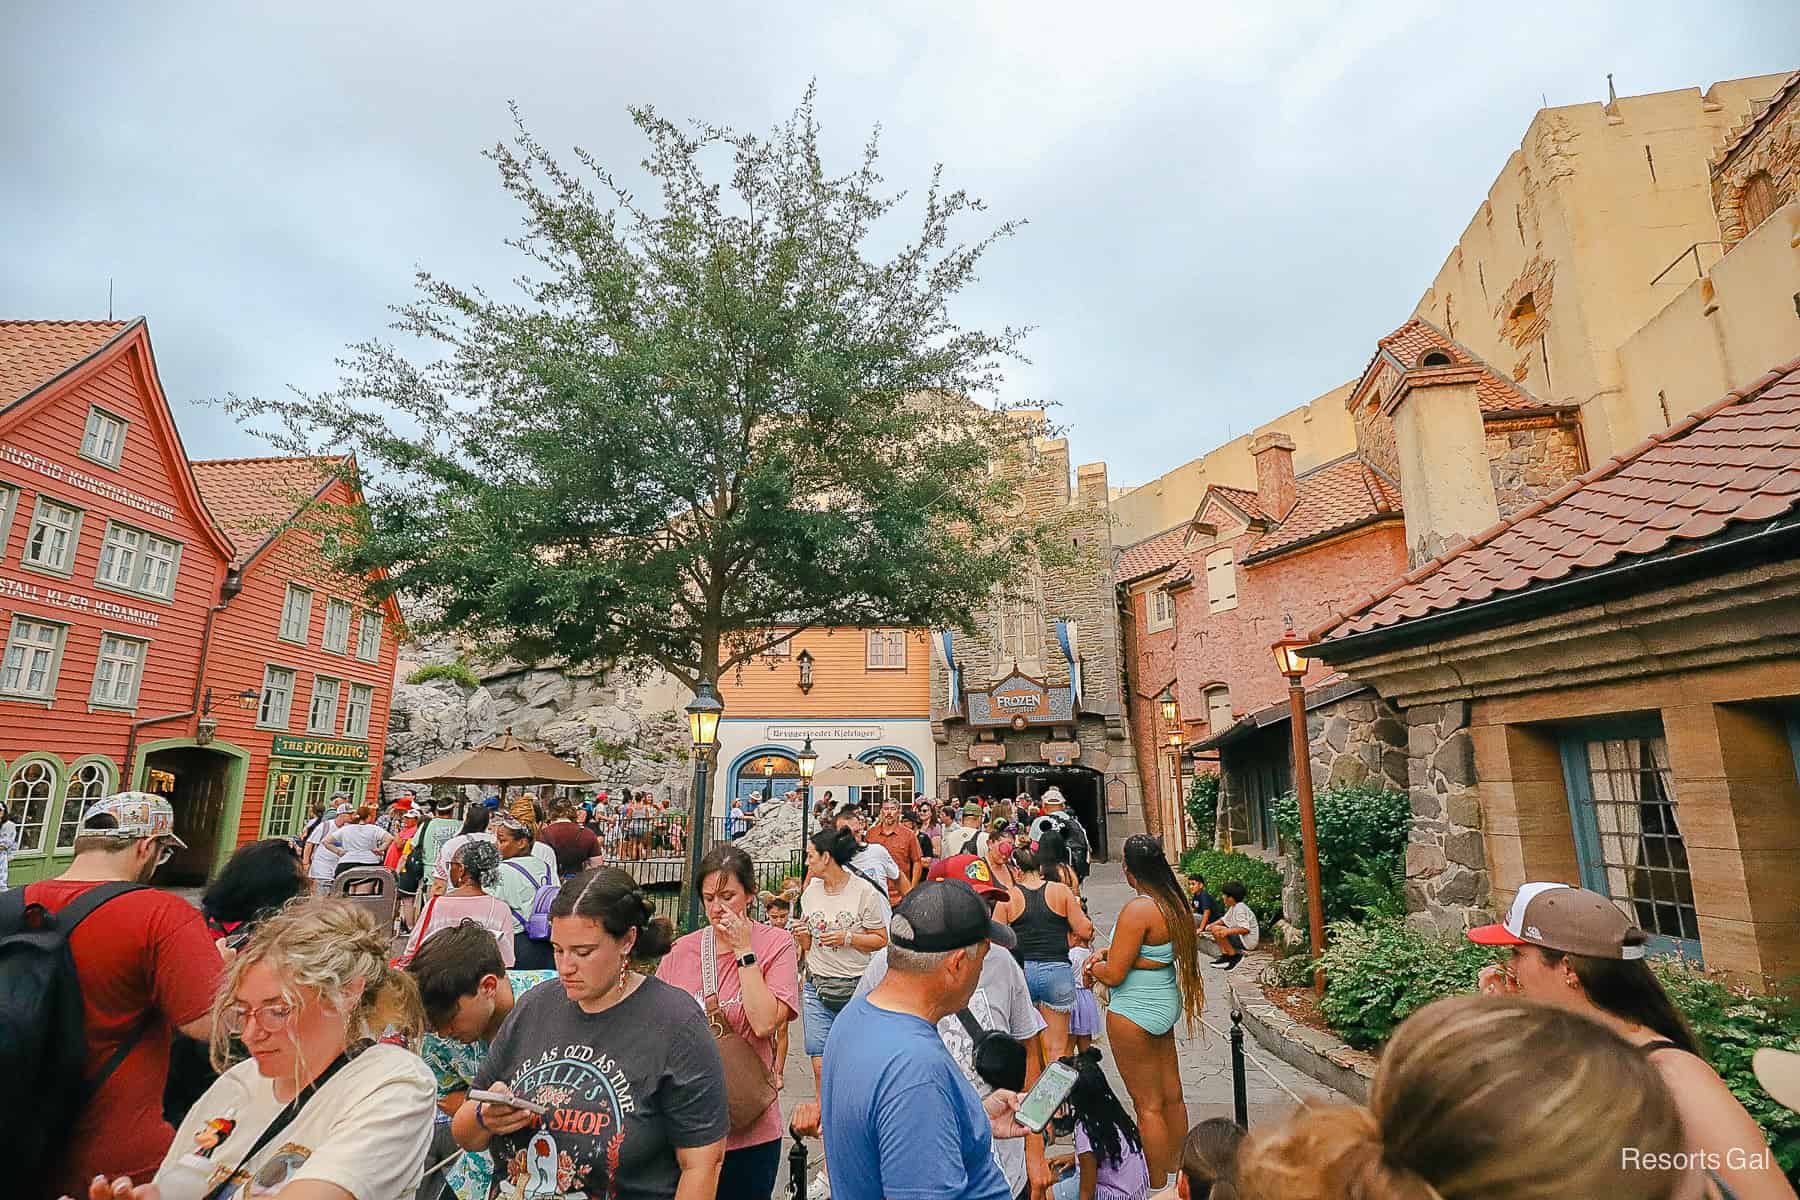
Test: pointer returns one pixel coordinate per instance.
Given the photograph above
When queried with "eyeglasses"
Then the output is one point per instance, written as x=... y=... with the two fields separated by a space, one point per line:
x=273 y=1017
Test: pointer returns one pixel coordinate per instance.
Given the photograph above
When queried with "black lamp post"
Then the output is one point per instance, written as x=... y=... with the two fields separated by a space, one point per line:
x=703 y=729
x=1291 y=662
x=808 y=761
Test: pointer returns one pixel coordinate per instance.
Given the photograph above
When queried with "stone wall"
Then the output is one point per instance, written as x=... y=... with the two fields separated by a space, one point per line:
x=1771 y=147
x=1530 y=458
x=1447 y=884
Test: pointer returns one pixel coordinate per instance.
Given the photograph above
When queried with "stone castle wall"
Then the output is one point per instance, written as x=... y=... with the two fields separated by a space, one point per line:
x=1529 y=459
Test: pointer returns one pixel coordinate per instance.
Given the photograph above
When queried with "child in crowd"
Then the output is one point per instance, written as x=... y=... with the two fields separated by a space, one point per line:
x=1208 y=1162
x=1236 y=931
x=776 y=910
x=1109 y=1159
x=1084 y=1018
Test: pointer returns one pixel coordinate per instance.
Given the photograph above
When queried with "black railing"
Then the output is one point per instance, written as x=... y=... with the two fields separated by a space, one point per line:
x=654 y=851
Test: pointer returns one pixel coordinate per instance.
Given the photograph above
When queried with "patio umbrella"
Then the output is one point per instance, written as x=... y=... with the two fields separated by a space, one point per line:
x=501 y=761
x=848 y=773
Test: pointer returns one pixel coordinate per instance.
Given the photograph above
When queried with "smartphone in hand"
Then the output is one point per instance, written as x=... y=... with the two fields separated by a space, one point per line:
x=510 y=1100
x=1045 y=1097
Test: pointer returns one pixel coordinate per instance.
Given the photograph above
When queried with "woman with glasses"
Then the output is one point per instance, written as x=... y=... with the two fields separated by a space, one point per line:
x=318 y=1100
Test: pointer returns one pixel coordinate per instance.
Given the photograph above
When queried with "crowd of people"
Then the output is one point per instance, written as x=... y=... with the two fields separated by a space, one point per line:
x=540 y=1033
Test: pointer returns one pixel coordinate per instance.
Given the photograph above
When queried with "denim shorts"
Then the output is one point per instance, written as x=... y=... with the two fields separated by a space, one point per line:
x=817 y=1018
x=1052 y=984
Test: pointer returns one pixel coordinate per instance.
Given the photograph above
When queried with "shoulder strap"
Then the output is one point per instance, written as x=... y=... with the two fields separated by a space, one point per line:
x=970 y=1025
x=516 y=865
x=282 y=1120
x=82 y=907
x=709 y=966
x=1660 y=1044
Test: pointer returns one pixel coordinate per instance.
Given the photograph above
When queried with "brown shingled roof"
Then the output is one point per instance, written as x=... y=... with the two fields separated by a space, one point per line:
x=1338 y=496
x=254 y=496
x=1735 y=462
x=1157 y=552
x=32 y=353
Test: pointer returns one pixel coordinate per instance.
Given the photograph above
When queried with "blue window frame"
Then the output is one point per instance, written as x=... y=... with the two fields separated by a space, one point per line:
x=1626 y=817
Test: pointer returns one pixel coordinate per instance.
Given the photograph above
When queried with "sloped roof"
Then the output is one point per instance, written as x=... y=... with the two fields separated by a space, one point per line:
x=1735 y=462
x=1742 y=133
x=1337 y=496
x=254 y=496
x=1243 y=498
x=32 y=353
x=1142 y=559
x=1494 y=392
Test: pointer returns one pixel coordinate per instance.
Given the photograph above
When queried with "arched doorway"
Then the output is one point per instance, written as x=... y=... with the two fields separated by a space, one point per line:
x=1082 y=787
x=770 y=770
x=205 y=787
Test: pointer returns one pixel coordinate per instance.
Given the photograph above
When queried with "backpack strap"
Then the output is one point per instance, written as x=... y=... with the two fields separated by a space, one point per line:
x=67 y=918
x=970 y=1025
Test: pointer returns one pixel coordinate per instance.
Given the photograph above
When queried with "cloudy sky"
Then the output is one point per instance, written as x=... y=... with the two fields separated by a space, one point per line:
x=1227 y=202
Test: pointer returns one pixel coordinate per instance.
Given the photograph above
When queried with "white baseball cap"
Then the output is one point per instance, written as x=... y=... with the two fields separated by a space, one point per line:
x=1567 y=919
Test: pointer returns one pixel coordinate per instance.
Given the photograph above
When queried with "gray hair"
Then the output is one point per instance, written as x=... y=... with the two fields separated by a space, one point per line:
x=912 y=962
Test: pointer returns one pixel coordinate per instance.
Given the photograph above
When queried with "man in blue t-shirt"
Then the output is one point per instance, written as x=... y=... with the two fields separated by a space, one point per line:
x=899 y=1117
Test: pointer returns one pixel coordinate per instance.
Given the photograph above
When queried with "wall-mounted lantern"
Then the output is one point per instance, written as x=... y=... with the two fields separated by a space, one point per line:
x=805 y=659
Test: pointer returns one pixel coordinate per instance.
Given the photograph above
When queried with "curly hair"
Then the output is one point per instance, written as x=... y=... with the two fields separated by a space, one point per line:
x=481 y=860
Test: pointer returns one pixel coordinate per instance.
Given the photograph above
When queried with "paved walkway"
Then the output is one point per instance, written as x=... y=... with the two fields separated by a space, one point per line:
x=1272 y=1087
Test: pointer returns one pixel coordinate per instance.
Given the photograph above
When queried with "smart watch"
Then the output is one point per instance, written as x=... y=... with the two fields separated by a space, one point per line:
x=747 y=959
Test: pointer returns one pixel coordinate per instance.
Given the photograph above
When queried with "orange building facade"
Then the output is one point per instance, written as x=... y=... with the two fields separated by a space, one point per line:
x=857 y=693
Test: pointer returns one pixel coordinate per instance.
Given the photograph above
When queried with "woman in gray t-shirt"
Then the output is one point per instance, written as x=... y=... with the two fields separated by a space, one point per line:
x=625 y=1063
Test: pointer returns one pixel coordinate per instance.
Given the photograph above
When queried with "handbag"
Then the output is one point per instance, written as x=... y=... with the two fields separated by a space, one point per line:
x=401 y=962
x=834 y=992
x=997 y=1056
x=750 y=1087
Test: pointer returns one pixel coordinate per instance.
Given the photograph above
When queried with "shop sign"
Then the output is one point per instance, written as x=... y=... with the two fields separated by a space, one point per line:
x=51 y=469
x=323 y=749
x=24 y=589
x=822 y=733
x=1020 y=696
x=987 y=754
x=1061 y=753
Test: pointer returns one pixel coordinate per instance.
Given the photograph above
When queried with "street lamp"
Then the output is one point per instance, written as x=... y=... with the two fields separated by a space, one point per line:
x=1171 y=708
x=703 y=729
x=247 y=699
x=1291 y=661
x=1171 y=715
x=881 y=769
x=808 y=762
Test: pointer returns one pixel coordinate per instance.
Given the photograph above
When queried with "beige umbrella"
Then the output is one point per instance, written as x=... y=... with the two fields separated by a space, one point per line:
x=504 y=760
x=849 y=773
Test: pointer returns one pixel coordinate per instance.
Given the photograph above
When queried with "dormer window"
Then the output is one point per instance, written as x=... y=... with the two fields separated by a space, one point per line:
x=1435 y=358
x=103 y=440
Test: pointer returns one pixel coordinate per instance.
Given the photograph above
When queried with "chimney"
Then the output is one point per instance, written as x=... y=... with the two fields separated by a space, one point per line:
x=1275 y=491
x=1090 y=485
x=1446 y=485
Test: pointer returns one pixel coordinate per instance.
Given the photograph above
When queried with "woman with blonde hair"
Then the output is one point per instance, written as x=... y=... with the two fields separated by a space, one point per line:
x=1496 y=1099
x=321 y=1102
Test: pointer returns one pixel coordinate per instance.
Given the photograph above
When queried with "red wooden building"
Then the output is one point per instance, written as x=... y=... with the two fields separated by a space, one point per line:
x=144 y=640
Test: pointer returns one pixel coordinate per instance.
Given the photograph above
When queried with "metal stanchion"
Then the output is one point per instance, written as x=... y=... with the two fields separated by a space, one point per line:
x=1239 y=1099
x=797 y=1169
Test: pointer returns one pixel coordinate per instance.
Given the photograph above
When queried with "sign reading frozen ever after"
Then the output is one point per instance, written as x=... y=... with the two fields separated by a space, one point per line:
x=1018 y=701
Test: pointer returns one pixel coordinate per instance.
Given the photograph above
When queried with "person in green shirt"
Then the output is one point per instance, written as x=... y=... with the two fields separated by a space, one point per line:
x=439 y=829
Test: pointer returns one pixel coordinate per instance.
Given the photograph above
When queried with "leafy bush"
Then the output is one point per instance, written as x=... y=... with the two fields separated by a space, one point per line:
x=1379 y=972
x=1296 y=970
x=1376 y=890
x=1203 y=805
x=1362 y=829
x=1261 y=880
x=456 y=672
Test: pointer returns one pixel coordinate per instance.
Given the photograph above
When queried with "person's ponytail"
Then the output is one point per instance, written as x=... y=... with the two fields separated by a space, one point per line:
x=1327 y=1152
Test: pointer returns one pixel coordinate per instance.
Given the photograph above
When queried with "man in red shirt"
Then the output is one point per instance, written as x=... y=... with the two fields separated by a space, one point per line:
x=575 y=846
x=903 y=844
x=147 y=966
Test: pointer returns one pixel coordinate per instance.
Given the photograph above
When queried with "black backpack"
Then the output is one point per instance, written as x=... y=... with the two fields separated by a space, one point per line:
x=412 y=871
x=43 y=1035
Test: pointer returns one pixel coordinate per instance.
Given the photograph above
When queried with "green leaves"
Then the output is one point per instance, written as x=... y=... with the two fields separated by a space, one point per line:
x=1203 y=804
x=1261 y=880
x=1362 y=832
x=1379 y=972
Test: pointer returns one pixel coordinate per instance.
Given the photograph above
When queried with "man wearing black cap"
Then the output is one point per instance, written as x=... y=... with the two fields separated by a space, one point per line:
x=901 y=1120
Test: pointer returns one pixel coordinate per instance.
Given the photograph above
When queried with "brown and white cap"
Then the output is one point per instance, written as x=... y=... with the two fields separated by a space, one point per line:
x=1568 y=919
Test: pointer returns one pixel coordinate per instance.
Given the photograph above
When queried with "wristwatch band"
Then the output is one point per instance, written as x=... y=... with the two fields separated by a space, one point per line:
x=747 y=959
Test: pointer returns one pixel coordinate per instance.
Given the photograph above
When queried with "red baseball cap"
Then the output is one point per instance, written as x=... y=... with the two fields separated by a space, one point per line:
x=972 y=869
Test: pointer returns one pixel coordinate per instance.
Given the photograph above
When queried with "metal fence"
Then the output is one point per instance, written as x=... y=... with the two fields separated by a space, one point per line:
x=654 y=850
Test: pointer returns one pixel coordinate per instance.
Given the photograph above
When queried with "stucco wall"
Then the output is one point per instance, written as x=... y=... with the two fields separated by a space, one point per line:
x=1438 y=429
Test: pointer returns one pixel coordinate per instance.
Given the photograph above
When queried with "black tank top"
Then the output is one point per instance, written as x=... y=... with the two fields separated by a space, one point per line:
x=1043 y=933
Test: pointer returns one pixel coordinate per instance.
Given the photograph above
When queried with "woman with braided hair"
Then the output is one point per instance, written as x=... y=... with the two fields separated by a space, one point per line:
x=626 y=1084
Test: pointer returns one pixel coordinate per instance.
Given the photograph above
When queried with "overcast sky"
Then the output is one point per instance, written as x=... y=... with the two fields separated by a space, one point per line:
x=1227 y=202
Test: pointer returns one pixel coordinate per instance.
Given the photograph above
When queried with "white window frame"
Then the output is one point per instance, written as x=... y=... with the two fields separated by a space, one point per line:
x=1218 y=700
x=1159 y=608
x=1221 y=580
x=67 y=567
x=358 y=704
x=337 y=619
x=884 y=650
x=111 y=645
x=54 y=647
x=320 y=682
x=137 y=579
x=264 y=718
x=369 y=625
x=9 y=508
x=96 y=419
x=296 y=593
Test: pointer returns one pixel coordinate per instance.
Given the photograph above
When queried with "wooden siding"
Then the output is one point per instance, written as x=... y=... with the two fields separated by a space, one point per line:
x=843 y=683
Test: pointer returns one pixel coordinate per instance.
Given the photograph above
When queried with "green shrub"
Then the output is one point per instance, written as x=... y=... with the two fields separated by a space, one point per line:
x=1296 y=970
x=1203 y=805
x=456 y=672
x=1362 y=829
x=1376 y=890
x=1261 y=880
x=1379 y=972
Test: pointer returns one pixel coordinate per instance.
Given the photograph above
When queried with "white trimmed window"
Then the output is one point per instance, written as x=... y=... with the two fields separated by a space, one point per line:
x=87 y=783
x=33 y=657
x=138 y=561
x=29 y=792
x=368 y=636
x=277 y=698
x=1161 y=606
x=104 y=438
x=118 y=671
x=9 y=504
x=1218 y=708
x=321 y=717
x=296 y=614
x=886 y=650
x=55 y=528
x=356 y=710
x=337 y=626
x=1221 y=581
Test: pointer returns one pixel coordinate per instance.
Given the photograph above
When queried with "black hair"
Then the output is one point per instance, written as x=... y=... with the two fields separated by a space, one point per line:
x=1234 y=889
x=258 y=879
x=1110 y=1129
x=732 y=861
x=476 y=819
x=451 y=964
x=1196 y=876
x=1627 y=988
x=1025 y=858
x=614 y=899
x=1149 y=867
x=836 y=841
x=1053 y=856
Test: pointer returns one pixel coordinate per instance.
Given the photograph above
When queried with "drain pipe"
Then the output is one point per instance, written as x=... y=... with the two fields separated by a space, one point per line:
x=234 y=584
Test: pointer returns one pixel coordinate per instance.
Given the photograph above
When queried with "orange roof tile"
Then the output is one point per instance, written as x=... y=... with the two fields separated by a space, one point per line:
x=1333 y=498
x=1733 y=463
x=1244 y=498
x=1493 y=392
x=32 y=353
x=1157 y=552
x=1758 y=112
x=252 y=496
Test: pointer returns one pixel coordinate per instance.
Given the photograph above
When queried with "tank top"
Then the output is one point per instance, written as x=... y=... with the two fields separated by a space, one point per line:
x=1043 y=932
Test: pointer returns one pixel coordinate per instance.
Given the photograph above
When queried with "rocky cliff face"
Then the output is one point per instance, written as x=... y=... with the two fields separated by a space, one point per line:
x=626 y=732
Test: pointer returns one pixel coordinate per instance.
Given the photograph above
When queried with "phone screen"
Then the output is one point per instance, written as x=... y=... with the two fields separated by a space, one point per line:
x=1046 y=1096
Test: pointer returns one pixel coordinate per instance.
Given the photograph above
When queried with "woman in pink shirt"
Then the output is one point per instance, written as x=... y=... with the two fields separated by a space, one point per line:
x=758 y=983
x=473 y=869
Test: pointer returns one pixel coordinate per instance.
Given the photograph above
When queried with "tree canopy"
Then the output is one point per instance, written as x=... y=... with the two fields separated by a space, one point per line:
x=700 y=425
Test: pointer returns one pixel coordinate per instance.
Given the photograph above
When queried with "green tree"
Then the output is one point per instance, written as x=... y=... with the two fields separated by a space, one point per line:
x=701 y=426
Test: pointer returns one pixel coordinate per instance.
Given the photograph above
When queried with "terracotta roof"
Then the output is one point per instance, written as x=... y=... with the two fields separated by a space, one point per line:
x=1158 y=552
x=1738 y=136
x=1244 y=498
x=1493 y=392
x=1737 y=461
x=252 y=496
x=1340 y=495
x=32 y=353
